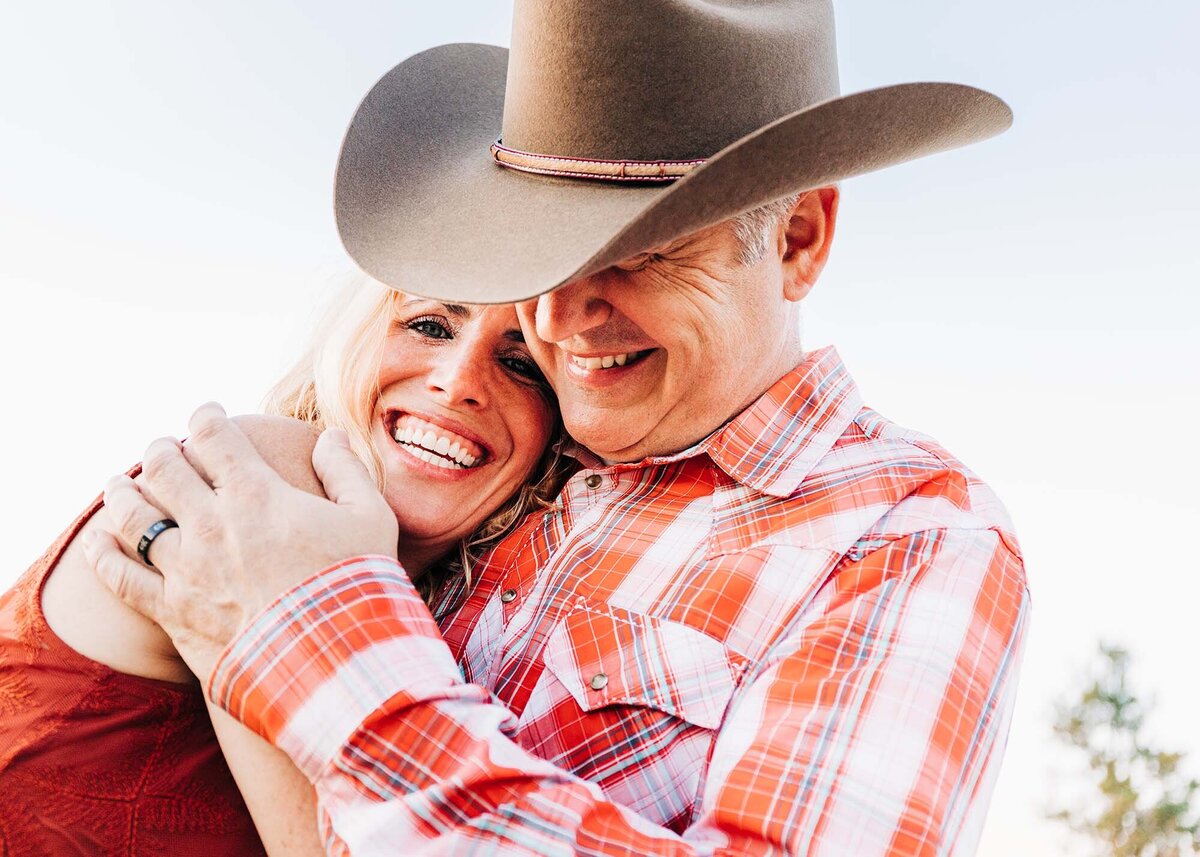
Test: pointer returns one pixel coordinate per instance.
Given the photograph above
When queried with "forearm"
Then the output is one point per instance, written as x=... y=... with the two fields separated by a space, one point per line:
x=280 y=798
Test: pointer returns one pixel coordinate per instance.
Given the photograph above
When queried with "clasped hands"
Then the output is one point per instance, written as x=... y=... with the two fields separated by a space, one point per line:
x=244 y=535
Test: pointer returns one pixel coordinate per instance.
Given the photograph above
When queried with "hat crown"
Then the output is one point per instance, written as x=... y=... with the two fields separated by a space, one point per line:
x=646 y=80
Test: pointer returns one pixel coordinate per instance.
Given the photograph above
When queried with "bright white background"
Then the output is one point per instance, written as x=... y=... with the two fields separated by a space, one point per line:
x=166 y=232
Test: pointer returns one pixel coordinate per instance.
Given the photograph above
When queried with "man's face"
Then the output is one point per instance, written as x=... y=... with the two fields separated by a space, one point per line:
x=651 y=355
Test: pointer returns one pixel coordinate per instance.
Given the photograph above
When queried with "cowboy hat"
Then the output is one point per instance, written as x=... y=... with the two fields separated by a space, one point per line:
x=483 y=175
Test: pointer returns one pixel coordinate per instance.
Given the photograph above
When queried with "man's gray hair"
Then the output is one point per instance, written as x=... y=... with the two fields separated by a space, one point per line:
x=755 y=228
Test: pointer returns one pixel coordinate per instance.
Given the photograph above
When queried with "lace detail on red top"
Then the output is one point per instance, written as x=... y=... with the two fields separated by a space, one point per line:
x=93 y=761
x=15 y=691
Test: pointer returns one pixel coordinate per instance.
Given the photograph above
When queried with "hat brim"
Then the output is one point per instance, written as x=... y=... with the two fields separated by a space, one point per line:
x=422 y=207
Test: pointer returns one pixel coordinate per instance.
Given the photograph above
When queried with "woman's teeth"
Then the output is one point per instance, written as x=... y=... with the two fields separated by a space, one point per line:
x=436 y=445
x=606 y=362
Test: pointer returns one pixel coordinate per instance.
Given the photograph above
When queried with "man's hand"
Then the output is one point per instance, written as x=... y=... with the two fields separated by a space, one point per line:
x=244 y=535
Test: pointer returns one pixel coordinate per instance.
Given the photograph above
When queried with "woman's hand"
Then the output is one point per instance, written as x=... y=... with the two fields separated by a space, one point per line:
x=244 y=536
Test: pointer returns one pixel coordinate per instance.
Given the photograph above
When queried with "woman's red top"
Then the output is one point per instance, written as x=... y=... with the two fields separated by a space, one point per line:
x=97 y=762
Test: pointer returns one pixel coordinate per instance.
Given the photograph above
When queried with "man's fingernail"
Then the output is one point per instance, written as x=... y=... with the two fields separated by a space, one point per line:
x=88 y=540
x=339 y=436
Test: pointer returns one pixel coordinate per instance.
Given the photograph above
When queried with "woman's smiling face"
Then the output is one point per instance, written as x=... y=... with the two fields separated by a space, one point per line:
x=462 y=418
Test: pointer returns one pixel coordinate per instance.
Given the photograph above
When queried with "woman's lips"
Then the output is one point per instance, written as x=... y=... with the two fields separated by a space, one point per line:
x=435 y=444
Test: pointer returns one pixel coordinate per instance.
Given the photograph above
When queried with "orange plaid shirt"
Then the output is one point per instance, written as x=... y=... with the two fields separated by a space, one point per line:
x=799 y=636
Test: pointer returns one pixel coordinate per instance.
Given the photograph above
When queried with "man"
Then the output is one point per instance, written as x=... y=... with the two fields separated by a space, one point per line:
x=761 y=618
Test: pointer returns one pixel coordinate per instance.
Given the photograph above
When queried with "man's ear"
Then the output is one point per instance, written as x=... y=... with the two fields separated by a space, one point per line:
x=805 y=240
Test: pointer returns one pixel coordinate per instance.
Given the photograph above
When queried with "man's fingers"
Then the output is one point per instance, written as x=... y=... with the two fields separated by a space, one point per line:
x=221 y=452
x=132 y=515
x=170 y=483
x=132 y=582
x=348 y=484
x=344 y=477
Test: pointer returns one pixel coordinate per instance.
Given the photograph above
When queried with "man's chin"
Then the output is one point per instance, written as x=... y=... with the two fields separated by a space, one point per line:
x=612 y=447
x=627 y=448
x=627 y=432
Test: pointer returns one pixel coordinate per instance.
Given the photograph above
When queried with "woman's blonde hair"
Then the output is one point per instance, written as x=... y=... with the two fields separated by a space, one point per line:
x=336 y=384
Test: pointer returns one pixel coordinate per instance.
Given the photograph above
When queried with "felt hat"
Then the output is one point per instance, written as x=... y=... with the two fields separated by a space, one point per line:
x=477 y=174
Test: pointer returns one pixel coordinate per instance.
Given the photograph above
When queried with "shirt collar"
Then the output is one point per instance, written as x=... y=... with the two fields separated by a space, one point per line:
x=777 y=441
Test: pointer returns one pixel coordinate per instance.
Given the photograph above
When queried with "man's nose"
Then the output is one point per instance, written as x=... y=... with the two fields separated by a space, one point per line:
x=459 y=375
x=571 y=310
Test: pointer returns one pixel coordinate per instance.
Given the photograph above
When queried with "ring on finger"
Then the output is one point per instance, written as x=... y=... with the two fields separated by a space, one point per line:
x=152 y=532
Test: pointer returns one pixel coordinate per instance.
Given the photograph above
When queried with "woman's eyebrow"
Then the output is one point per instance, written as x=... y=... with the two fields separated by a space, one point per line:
x=456 y=310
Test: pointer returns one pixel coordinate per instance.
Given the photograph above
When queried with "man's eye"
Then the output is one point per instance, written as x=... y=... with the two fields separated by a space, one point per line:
x=639 y=262
x=430 y=328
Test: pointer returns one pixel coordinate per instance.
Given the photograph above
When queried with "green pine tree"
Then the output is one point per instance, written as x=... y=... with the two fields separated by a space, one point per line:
x=1146 y=805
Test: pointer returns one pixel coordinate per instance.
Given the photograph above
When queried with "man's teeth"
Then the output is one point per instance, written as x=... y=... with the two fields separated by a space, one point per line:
x=434 y=448
x=606 y=362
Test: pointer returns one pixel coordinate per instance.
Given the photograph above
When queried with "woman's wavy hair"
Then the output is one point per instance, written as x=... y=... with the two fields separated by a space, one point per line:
x=336 y=384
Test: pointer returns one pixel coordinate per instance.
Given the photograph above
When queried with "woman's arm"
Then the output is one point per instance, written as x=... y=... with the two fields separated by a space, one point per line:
x=281 y=800
x=85 y=614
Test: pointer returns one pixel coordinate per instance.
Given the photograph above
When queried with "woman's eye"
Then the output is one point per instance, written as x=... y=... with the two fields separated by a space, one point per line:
x=430 y=328
x=523 y=367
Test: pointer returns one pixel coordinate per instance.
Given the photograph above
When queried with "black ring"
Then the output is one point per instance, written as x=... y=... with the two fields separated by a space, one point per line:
x=152 y=532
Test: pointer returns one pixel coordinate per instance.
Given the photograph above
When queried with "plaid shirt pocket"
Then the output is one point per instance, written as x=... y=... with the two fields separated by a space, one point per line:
x=629 y=702
x=606 y=656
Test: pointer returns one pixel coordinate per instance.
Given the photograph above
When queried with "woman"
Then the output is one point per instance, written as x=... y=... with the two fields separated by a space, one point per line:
x=108 y=748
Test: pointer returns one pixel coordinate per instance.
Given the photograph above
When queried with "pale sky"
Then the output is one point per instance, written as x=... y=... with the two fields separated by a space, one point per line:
x=166 y=232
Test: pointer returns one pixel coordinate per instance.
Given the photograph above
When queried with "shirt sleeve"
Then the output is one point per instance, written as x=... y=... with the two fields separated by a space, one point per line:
x=875 y=725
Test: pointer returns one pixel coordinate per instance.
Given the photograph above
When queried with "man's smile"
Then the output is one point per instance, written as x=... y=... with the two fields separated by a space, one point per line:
x=605 y=370
x=607 y=361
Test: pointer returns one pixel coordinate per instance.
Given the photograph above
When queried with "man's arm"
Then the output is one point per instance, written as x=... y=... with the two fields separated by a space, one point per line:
x=875 y=727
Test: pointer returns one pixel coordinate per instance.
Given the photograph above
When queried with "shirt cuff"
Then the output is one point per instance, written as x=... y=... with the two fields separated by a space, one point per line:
x=314 y=664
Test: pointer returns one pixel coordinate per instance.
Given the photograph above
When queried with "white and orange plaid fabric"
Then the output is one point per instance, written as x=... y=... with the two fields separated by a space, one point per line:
x=800 y=636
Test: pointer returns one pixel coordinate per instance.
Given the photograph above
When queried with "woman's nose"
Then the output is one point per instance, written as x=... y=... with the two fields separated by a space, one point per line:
x=571 y=310
x=460 y=374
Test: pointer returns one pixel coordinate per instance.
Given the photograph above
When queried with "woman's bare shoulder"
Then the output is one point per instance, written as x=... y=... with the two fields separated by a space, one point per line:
x=98 y=625
x=90 y=619
x=286 y=444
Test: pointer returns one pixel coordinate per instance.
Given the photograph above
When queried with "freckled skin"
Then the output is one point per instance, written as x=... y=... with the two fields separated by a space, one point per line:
x=466 y=367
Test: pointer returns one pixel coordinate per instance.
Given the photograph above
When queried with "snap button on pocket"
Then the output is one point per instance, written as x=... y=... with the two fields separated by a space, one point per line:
x=593 y=481
x=508 y=595
x=608 y=657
